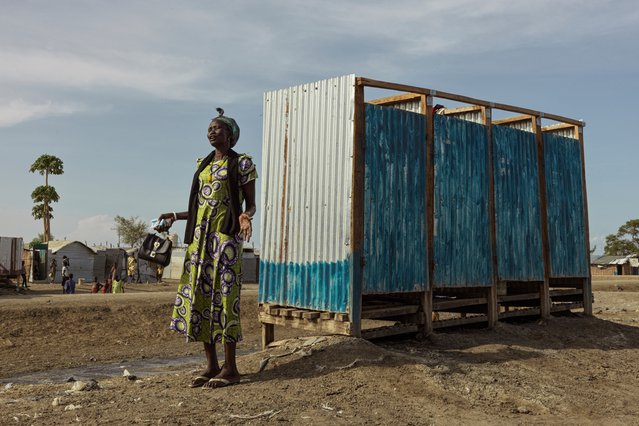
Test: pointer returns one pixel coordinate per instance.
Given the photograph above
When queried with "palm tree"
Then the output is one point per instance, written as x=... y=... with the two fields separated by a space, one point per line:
x=45 y=194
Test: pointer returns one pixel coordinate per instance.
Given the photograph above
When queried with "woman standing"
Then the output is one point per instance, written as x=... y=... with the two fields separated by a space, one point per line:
x=207 y=306
x=52 y=270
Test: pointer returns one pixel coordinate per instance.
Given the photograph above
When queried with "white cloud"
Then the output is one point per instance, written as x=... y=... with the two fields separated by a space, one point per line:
x=94 y=230
x=18 y=110
x=154 y=74
x=230 y=52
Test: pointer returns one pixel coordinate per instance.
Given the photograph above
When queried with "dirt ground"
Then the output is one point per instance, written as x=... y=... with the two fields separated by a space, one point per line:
x=570 y=369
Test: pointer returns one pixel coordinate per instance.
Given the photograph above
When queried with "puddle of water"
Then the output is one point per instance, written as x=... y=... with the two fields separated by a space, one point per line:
x=139 y=367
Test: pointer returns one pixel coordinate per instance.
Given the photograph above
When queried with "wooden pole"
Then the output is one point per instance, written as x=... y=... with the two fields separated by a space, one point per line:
x=587 y=285
x=357 y=212
x=544 y=288
x=268 y=334
x=465 y=99
x=492 y=307
x=427 y=303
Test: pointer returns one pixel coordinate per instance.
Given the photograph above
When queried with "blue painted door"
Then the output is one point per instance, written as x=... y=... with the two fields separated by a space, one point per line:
x=462 y=248
x=517 y=205
x=564 y=191
x=395 y=239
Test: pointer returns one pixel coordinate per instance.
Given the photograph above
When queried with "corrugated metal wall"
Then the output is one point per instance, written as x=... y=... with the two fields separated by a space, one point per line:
x=395 y=239
x=10 y=256
x=462 y=249
x=474 y=115
x=568 y=132
x=564 y=191
x=306 y=195
x=517 y=206
x=81 y=260
x=526 y=126
x=413 y=105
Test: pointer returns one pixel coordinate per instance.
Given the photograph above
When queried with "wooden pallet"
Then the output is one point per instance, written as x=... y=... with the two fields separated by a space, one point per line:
x=524 y=312
x=404 y=313
x=454 y=322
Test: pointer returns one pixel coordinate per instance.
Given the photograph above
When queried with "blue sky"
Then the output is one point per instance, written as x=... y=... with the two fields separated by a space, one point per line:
x=123 y=91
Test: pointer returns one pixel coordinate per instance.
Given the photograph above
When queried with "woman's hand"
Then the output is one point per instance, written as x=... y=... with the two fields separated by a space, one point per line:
x=246 y=227
x=168 y=218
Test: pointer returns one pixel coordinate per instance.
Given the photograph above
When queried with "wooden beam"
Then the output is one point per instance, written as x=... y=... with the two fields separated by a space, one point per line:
x=587 y=283
x=556 y=127
x=461 y=110
x=429 y=210
x=311 y=315
x=457 y=303
x=544 y=293
x=492 y=308
x=319 y=326
x=520 y=313
x=427 y=310
x=342 y=317
x=515 y=119
x=397 y=99
x=430 y=199
x=517 y=297
x=571 y=292
x=268 y=334
x=466 y=99
x=389 y=311
x=327 y=315
x=375 y=333
x=286 y=312
x=269 y=309
x=357 y=212
x=460 y=321
x=567 y=307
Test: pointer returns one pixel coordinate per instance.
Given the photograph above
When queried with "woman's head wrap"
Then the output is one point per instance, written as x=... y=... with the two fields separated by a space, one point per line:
x=230 y=123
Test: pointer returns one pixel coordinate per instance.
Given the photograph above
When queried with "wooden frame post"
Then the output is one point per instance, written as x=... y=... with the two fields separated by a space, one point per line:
x=492 y=307
x=268 y=334
x=357 y=211
x=544 y=288
x=427 y=302
x=587 y=284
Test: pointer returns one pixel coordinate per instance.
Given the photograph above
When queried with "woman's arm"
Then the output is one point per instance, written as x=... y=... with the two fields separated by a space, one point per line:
x=171 y=217
x=246 y=227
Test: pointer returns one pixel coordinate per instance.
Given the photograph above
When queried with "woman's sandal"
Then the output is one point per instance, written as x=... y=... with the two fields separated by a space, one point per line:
x=199 y=381
x=218 y=382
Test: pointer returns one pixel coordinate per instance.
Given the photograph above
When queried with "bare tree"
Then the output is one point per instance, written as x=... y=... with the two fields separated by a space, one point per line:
x=132 y=231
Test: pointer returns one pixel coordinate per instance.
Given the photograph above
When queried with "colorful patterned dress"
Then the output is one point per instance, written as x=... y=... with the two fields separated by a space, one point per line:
x=207 y=306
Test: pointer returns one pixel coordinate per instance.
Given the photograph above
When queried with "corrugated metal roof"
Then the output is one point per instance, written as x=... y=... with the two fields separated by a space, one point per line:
x=56 y=245
x=606 y=259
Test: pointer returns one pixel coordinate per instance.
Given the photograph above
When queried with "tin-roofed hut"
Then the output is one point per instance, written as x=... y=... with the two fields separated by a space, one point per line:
x=81 y=258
